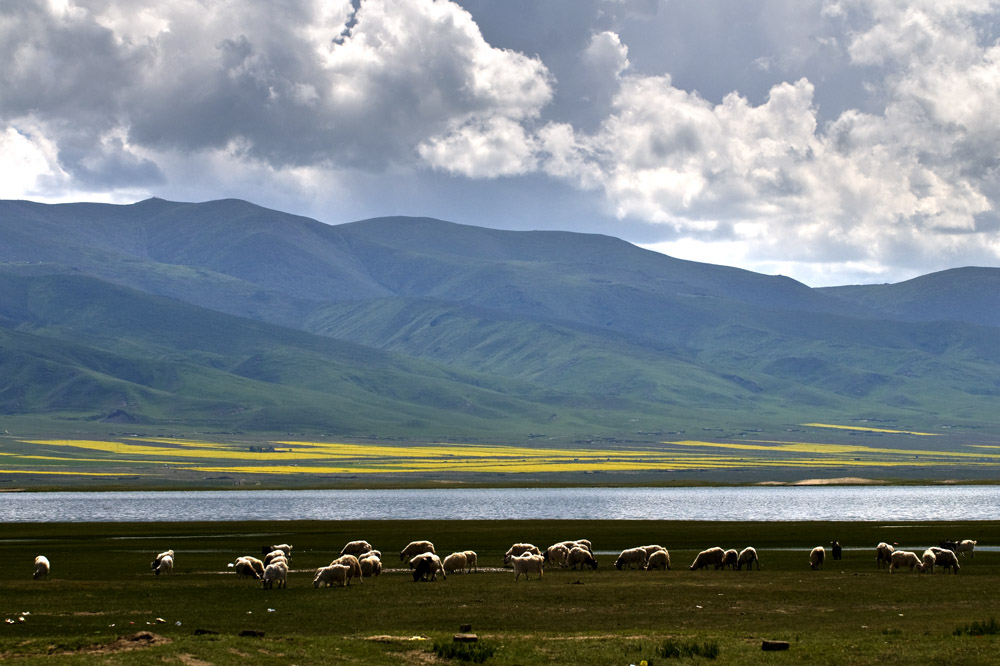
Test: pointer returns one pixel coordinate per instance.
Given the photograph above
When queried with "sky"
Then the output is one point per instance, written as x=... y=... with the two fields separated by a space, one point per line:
x=832 y=141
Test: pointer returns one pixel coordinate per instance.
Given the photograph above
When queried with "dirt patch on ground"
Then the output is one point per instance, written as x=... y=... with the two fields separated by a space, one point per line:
x=137 y=641
x=384 y=638
x=192 y=660
x=841 y=481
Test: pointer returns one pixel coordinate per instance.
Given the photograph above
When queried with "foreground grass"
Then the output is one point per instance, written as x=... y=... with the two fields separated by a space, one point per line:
x=849 y=613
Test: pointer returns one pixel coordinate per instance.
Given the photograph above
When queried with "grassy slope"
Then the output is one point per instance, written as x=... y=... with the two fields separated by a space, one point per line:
x=849 y=613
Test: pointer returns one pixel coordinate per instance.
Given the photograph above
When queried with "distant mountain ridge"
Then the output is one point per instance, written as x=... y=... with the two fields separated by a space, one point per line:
x=418 y=327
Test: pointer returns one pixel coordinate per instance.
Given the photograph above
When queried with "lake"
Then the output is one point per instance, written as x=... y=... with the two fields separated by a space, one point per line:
x=756 y=503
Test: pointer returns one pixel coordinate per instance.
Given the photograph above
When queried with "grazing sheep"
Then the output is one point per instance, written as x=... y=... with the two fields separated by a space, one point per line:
x=631 y=557
x=904 y=558
x=659 y=559
x=557 y=554
x=581 y=556
x=415 y=548
x=41 y=567
x=166 y=565
x=335 y=573
x=966 y=546
x=651 y=549
x=370 y=553
x=816 y=557
x=527 y=563
x=519 y=549
x=729 y=559
x=946 y=559
x=427 y=564
x=276 y=555
x=356 y=548
x=284 y=548
x=929 y=560
x=748 y=556
x=370 y=566
x=582 y=543
x=249 y=567
x=353 y=563
x=455 y=562
x=883 y=553
x=276 y=572
x=837 y=550
x=473 y=560
x=156 y=561
x=712 y=556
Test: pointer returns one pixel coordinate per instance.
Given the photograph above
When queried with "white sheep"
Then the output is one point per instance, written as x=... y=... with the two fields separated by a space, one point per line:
x=156 y=561
x=276 y=572
x=904 y=558
x=747 y=556
x=353 y=563
x=883 y=553
x=945 y=559
x=473 y=560
x=966 y=546
x=580 y=556
x=582 y=543
x=335 y=573
x=370 y=566
x=41 y=567
x=527 y=563
x=415 y=548
x=729 y=559
x=659 y=559
x=285 y=548
x=455 y=562
x=166 y=565
x=929 y=560
x=816 y=557
x=631 y=557
x=274 y=555
x=370 y=553
x=356 y=548
x=712 y=556
x=519 y=549
x=249 y=567
x=557 y=554
x=427 y=564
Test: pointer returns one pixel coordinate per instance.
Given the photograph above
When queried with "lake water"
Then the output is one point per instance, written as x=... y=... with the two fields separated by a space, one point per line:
x=757 y=503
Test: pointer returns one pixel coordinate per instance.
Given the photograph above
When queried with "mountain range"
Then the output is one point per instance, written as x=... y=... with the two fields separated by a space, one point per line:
x=226 y=316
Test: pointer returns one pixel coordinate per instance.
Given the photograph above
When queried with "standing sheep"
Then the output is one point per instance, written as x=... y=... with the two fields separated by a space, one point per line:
x=883 y=553
x=557 y=554
x=966 y=546
x=837 y=550
x=581 y=556
x=816 y=557
x=276 y=572
x=929 y=560
x=156 y=561
x=166 y=565
x=353 y=563
x=748 y=556
x=249 y=567
x=712 y=556
x=527 y=563
x=659 y=559
x=730 y=558
x=473 y=560
x=335 y=573
x=427 y=564
x=370 y=567
x=904 y=558
x=356 y=548
x=455 y=562
x=41 y=567
x=631 y=557
x=415 y=548
x=946 y=559
x=519 y=549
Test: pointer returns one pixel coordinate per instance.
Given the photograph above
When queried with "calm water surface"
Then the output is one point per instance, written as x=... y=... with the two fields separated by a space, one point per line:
x=879 y=503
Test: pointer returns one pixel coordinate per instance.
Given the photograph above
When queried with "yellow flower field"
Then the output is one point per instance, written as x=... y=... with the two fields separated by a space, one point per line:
x=286 y=457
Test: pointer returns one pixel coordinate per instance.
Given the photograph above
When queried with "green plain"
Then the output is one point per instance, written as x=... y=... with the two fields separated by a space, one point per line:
x=101 y=589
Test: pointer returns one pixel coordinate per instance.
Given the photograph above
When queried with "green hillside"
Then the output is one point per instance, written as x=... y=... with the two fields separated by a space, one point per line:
x=228 y=316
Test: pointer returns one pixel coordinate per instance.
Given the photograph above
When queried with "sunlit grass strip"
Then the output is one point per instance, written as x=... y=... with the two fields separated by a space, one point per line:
x=833 y=449
x=864 y=429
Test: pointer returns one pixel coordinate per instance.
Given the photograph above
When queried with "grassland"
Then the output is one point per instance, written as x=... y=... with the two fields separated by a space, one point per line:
x=814 y=450
x=101 y=593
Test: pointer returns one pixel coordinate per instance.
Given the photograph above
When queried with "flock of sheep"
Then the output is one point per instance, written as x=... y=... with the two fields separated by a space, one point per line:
x=359 y=560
